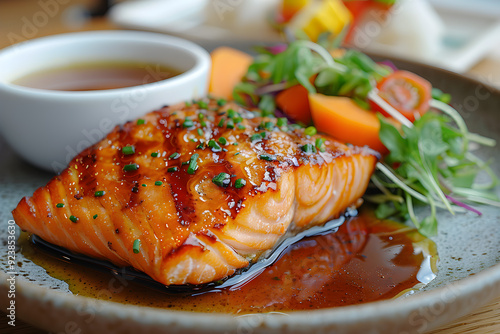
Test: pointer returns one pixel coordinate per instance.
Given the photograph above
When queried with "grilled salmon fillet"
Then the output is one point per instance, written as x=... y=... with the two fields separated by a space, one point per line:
x=190 y=193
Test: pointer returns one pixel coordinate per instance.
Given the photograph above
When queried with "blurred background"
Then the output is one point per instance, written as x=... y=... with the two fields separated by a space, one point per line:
x=459 y=35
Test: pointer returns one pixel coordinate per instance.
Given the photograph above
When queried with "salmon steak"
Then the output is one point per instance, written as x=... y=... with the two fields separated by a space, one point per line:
x=193 y=192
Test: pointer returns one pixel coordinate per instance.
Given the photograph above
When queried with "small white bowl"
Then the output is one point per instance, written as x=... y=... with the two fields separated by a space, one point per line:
x=48 y=128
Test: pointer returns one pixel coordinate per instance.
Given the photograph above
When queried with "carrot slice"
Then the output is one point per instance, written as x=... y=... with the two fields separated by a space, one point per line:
x=228 y=67
x=294 y=102
x=343 y=119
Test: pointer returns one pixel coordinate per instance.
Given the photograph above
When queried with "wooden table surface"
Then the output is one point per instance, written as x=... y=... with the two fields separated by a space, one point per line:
x=26 y=19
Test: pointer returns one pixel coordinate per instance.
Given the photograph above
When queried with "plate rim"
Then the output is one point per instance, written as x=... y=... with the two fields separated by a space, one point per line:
x=468 y=286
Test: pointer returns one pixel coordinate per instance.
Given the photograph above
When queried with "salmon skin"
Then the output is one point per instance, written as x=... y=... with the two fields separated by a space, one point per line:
x=191 y=193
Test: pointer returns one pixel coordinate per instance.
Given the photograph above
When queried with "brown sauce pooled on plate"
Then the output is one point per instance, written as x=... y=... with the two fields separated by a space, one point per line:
x=366 y=260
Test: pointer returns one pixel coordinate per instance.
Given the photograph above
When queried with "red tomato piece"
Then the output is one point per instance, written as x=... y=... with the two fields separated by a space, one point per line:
x=406 y=92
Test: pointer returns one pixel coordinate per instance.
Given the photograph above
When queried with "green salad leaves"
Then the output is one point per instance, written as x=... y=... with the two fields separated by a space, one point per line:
x=430 y=163
x=353 y=74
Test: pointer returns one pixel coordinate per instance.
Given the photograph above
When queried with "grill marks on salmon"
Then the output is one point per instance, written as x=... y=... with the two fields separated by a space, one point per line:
x=192 y=230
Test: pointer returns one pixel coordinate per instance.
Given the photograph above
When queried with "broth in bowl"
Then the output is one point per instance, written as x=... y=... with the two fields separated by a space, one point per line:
x=102 y=75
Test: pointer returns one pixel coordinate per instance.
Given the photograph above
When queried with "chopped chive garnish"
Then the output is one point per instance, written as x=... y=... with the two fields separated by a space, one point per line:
x=320 y=144
x=221 y=102
x=267 y=113
x=172 y=169
x=136 y=248
x=188 y=104
x=310 y=131
x=200 y=147
x=94 y=216
x=230 y=124
x=60 y=205
x=185 y=163
x=129 y=149
x=221 y=123
x=239 y=183
x=238 y=120
x=231 y=113
x=158 y=183
x=256 y=137
x=130 y=167
x=174 y=156
x=99 y=193
x=193 y=164
x=222 y=179
x=187 y=123
x=73 y=218
x=213 y=145
x=235 y=144
x=200 y=132
x=269 y=126
x=308 y=148
x=203 y=124
x=263 y=135
x=267 y=157
x=154 y=154
x=140 y=121
x=201 y=116
x=237 y=153
x=202 y=104
x=144 y=185
x=193 y=140
x=241 y=127
x=282 y=121
x=222 y=140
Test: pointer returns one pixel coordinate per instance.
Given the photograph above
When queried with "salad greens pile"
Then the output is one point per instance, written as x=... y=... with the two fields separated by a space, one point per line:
x=430 y=162
x=353 y=74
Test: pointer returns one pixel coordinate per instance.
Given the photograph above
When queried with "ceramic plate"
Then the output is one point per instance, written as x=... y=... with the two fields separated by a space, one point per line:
x=468 y=277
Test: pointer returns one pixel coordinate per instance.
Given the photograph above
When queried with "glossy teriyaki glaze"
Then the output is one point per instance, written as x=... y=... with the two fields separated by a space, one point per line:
x=366 y=260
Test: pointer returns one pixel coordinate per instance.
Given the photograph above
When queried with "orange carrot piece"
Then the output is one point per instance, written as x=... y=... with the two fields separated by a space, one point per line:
x=228 y=67
x=343 y=119
x=294 y=102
